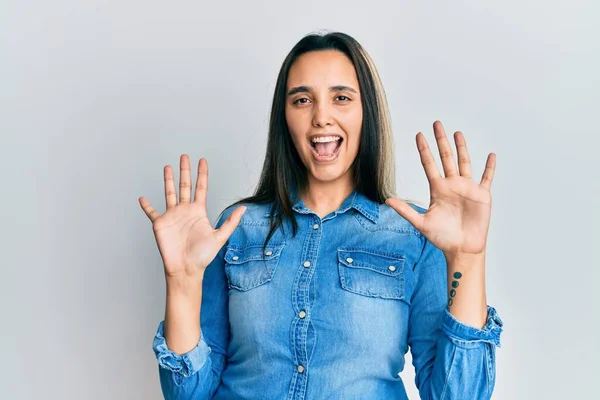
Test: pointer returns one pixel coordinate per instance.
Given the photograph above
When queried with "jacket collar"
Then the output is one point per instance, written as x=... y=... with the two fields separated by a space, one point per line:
x=356 y=200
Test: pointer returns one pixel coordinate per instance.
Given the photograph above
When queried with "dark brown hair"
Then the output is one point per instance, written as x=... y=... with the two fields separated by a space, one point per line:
x=283 y=170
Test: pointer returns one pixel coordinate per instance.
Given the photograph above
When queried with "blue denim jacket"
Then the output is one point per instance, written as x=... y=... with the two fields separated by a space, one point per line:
x=329 y=314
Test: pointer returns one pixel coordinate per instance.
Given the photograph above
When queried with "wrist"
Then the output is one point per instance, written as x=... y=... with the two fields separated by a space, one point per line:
x=464 y=259
x=184 y=286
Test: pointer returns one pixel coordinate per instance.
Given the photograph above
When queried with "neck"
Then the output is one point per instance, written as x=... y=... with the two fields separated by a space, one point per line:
x=326 y=197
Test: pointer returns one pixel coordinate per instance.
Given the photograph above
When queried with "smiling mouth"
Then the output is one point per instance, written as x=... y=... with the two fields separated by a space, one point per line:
x=326 y=149
x=326 y=152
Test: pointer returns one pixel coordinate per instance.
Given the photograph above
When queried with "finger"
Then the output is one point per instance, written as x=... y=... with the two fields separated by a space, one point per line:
x=150 y=212
x=185 y=181
x=464 y=160
x=170 y=194
x=230 y=224
x=427 y=160
x=201 y=183
x=446 y=155
x=405 y=210
x=488 y=172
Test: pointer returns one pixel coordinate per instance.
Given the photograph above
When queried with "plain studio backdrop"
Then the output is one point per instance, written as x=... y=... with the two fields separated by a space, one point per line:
x=96 y=97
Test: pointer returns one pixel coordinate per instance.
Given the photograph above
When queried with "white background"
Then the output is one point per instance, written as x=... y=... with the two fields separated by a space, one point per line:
x=96 y=97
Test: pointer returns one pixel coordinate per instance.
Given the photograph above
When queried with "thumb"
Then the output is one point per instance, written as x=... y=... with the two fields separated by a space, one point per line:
x=406 y=211
x=230 y=224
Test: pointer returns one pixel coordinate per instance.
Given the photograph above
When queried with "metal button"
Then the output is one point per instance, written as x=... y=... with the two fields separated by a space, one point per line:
x=268 y=252
x=307 y=264
x=349 y=260
x=316 y=226
x=300 y=368
x=392 y=268
x=302 y=314
x=235 y=258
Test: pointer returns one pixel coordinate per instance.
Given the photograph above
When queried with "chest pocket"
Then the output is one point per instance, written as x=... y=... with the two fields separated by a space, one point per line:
x=372 y=273
x=248 y=267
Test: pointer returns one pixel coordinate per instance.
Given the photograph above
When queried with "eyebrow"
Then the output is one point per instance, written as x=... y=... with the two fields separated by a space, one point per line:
x=306 y=89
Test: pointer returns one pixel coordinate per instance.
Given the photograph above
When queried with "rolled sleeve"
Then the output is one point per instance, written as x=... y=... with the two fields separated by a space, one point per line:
x=182 y=365
x=452 y=360
x=196 y=374
x=463 y=333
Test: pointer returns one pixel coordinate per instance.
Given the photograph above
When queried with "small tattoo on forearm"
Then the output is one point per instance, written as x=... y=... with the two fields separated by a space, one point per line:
x=457 y=275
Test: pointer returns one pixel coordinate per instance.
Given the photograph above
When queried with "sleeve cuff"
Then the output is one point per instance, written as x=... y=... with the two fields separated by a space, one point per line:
x=463 y=332
x=185 y=364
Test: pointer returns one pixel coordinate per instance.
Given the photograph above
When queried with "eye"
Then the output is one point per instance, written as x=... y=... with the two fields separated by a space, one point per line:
x=301 y=100
x=344 y=98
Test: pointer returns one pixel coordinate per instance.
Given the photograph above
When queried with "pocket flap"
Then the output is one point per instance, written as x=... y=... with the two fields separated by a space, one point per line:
x=372 y=273
x=240 y=255
x=382 y=262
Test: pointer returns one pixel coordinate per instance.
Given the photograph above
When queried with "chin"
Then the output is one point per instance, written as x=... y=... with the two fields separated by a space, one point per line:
x=327 y=174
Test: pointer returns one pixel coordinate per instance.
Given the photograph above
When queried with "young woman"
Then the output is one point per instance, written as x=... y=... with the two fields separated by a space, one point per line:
x=316 y=286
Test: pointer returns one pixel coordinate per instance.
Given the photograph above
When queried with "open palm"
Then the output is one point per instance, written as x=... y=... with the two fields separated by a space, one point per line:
x=458 y=217
x=185 y=236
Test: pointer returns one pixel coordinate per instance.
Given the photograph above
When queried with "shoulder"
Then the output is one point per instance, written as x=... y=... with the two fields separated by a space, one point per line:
x=389 y=219
x=255 y=214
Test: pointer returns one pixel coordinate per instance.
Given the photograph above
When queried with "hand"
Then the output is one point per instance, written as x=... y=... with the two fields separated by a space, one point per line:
x=458 y=217
x=186 y=239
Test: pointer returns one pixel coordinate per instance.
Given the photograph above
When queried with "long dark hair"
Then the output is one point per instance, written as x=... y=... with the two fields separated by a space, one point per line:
x=284 y=175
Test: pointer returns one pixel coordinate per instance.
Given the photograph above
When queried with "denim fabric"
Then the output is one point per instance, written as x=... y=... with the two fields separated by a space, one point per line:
x=329 y=314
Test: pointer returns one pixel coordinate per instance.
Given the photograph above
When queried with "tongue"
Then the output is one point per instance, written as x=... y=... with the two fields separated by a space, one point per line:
x=325 y=149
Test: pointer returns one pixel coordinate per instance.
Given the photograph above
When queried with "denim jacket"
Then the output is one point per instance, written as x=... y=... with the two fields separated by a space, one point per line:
x=329 y=314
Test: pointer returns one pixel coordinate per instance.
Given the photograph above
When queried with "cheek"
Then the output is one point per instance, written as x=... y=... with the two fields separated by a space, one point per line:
x=288 y=120
x=293 y=120
x=353 y=127
x=294 y=129
x=358 y=119
x=298 y=125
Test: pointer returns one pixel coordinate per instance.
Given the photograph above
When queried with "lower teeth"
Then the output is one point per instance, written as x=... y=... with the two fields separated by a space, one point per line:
x=327 y=155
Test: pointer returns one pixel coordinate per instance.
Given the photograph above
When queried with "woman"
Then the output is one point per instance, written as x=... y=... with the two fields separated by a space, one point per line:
x=320 y=287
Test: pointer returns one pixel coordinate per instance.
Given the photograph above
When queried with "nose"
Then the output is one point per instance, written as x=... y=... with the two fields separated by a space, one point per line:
x=322 y=116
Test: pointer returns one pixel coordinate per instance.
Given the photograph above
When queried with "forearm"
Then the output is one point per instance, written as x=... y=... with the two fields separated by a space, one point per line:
x=458 y=362
x=189 y=368
x=182 y=313
x=466 y=288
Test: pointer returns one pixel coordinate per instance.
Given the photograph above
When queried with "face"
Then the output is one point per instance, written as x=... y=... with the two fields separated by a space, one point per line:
x=324 y=114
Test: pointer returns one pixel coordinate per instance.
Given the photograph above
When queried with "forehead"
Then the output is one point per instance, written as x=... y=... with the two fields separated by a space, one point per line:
x=322 y=68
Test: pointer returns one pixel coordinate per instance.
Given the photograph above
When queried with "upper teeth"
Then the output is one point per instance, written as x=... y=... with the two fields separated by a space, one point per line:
x=325 y=139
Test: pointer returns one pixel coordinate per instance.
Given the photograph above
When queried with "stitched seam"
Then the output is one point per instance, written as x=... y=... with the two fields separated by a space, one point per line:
x=373 y=252
x=374 y=228
x=448 y=376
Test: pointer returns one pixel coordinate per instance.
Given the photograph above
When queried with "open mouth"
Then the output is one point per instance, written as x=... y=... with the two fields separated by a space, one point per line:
x=326 y=148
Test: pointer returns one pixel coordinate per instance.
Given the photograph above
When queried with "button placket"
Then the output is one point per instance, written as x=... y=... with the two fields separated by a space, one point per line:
x=301 y=304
